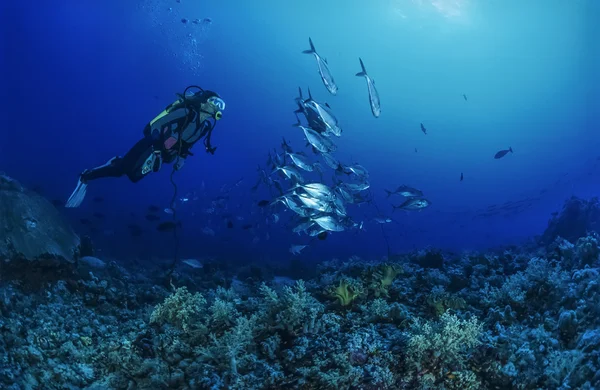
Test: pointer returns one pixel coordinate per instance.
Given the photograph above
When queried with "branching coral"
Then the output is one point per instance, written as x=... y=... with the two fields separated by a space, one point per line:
x=181 y=309
x=437 y=350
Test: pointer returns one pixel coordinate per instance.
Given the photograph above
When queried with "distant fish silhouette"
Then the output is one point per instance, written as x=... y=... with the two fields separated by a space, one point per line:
x=461 y=176
x=502 y=153
x=465 y=97
x=423 y=129
x=168 y=226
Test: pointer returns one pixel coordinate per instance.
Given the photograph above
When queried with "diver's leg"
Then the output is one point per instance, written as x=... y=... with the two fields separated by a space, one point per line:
x=139 y=161
x=112 y=168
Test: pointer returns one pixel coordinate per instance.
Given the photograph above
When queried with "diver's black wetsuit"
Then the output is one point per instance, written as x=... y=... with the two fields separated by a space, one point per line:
x=172 y=133
x=132 y=163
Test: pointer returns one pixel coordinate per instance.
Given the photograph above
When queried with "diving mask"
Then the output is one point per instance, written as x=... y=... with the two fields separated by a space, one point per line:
x=217 y=102
x=219 y=106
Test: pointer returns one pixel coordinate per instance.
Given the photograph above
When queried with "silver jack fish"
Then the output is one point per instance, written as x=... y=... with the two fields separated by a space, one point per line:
x=324 y=71
x=373 y=94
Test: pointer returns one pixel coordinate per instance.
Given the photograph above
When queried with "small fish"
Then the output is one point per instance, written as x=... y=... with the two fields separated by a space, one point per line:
x=184 y=20
x=382 y=220
x=296 y=249
x=286 y=147
x=135 y=230
x=464 y=97
x=461 y=176
x=373 y=94
x=263 y=203
x=324 y=71
x=168 y=226
x=169 y=210
x=152 y=217
x=208 y=231
x=502 y=153
x=415 y=150
x=413 y=204
x=423 y=129
x=193 y=263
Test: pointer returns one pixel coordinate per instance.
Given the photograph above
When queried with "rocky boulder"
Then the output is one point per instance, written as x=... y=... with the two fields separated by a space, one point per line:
x=31 y=228
x=576 y=219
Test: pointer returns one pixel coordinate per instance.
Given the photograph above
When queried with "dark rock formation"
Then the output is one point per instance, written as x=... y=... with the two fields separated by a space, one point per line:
x=30 y=226
x=575 y=220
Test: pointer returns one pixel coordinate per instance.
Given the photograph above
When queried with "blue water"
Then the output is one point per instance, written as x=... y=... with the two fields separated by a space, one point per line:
x=82 y=79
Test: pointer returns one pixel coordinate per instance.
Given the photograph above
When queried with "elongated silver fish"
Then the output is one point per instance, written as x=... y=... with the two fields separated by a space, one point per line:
x=331 y=161
x=338 y=207
x=315 y=203
x=358 y=170
x=290 y=172
x=413 y=204
x=322 y=144
x=324 y=71
x=301 y=161
x=329 y=222
x=344 y=194
x=317 y=190
x=296 y=249
x=303 y=227
x=324 y=114
x=406 y=191
x=357 y=187
x=293 y=204
x=373 y=94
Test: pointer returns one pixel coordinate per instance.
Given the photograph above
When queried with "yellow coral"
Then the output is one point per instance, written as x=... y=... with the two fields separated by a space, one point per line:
x=384 y=277
x=442 y=302
x=389 y=274
x=344 y=293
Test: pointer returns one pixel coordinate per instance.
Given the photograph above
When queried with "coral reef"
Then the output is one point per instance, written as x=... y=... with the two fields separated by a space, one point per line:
x=523 y=318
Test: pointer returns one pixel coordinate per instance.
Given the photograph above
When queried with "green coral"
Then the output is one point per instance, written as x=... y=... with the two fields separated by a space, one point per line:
x=181 y=309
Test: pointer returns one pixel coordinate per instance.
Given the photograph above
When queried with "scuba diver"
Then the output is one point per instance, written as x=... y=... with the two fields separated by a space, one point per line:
x=167 y=138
